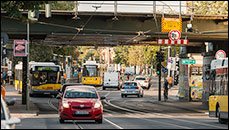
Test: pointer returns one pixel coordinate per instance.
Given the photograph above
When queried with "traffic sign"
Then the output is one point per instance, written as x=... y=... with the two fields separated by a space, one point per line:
x=188 y=61
x=170 y=42
x=164 y=70
x=220 y=54
x=167 y=24
x=174 y=35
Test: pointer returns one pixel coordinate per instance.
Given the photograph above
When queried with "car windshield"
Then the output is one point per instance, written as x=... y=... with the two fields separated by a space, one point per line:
x=130 y=84
x=80 y=93
x=140 y=78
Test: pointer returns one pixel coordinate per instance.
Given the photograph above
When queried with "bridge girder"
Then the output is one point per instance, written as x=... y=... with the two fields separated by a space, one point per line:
x=99 y=29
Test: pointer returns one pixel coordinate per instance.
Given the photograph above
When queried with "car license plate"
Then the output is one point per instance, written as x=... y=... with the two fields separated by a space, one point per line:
x=81 y=112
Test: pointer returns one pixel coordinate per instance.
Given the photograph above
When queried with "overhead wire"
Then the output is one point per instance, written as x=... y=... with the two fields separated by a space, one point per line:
x=82 y=28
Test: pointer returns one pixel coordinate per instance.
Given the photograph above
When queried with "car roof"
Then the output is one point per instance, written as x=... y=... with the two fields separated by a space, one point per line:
x=72 y=84
x=81 y=86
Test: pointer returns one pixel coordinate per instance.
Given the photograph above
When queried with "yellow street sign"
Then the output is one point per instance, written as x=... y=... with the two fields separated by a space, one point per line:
x=168 y=24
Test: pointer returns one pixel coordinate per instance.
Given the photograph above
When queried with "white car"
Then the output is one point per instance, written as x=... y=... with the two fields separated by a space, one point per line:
x=131 y=88
x=7 y=122
x=144 y=82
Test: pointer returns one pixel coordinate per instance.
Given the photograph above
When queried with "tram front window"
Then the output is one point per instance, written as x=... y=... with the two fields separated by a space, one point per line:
x=90 y=71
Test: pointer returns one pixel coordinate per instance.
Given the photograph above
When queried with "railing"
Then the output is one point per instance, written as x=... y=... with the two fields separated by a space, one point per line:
x=162 y=7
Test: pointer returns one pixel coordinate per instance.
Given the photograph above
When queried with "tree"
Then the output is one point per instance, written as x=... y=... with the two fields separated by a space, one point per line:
x=209 y=7
x=13 y=8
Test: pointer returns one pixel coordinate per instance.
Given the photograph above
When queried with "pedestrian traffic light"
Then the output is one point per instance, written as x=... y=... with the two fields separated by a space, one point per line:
x=177 y=65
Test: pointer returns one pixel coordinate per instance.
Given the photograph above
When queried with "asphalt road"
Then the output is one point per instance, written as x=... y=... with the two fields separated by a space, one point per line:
x=127 y=113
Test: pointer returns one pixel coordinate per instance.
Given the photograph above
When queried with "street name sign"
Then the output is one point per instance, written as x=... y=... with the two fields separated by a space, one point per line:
x=188 y=61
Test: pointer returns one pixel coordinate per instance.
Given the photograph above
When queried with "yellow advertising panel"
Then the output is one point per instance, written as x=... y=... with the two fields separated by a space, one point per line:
x=168 y=24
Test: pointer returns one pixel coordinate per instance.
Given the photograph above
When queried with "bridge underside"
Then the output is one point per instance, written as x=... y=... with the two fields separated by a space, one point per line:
x=100 y=30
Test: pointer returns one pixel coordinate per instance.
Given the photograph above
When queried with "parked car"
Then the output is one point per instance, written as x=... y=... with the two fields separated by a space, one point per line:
x=7 y=122
x=144 y=82
x=131 y=88
x=80 y=102
x=111 y=80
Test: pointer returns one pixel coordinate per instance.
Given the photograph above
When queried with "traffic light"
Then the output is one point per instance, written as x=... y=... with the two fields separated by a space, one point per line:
x=158 y=56
x=158 y=68
x=178 y=65
x=162 y=57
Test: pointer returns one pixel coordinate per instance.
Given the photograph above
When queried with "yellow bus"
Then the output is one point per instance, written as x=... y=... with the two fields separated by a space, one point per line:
x=218 y=99
x=92 y=73
x=44 y=78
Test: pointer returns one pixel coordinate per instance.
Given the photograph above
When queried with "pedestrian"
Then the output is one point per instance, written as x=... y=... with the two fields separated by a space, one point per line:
x=128 y=76
x=170 y=82
x=166 y=90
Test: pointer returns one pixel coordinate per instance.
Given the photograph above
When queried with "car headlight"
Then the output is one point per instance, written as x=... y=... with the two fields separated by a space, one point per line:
x=65 y=104
x=97 y=104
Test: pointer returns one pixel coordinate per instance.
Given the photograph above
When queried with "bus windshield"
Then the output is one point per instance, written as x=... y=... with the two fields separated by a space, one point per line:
x=90 y=71
x=45 y=78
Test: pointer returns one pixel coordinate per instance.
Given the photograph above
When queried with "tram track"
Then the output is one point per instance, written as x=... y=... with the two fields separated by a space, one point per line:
x=51 y=105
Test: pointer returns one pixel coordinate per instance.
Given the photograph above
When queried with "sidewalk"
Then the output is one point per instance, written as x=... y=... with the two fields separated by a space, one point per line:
x=18 y=109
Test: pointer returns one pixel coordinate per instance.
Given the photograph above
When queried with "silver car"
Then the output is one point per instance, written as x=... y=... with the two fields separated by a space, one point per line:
x=7 y=122
x=131 y=88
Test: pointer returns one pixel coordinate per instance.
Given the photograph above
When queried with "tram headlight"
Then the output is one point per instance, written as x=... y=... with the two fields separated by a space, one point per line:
x=95 y=78
x=85 y=78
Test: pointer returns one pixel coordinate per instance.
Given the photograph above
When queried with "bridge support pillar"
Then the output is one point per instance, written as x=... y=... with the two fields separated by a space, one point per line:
x=183 y=76
x=208 y=56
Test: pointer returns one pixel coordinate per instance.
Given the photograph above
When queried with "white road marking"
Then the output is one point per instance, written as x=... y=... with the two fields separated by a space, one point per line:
x=117 y=126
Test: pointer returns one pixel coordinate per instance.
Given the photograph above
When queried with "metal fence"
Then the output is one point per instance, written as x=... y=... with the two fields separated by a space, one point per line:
x=162 y=7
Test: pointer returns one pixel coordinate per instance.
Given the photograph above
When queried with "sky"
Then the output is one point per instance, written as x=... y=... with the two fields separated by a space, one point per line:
x=130 y=8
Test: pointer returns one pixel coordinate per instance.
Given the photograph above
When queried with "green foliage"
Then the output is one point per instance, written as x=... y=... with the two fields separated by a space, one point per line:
x=40 y=53
x=209 y=7
x=13 y=8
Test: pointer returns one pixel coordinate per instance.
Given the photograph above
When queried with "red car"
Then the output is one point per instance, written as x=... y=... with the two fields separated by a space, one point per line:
x=80 y=103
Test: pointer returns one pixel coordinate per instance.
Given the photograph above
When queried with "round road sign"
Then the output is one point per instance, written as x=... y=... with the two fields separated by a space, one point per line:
x=220 y=54
x=174 y=35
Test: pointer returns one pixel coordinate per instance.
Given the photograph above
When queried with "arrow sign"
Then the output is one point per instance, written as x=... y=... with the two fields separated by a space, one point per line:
x=188 y=61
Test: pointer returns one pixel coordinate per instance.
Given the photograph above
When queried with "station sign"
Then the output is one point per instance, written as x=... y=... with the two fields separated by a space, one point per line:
x=20 y=48
x=220 y=54
x=188 y=61
x=168 y=24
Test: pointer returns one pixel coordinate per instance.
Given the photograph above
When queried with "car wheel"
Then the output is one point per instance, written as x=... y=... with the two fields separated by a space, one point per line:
x=122 y=95
x=61 y=120
x=125 y=95
x=104 y=88
x=139 y=95
x=99 y=121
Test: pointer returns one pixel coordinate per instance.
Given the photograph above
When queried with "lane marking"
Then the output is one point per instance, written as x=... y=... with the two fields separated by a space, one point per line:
x=117 y=126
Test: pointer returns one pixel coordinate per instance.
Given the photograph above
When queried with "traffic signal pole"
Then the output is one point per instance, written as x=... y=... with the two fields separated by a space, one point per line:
x=159 y=79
